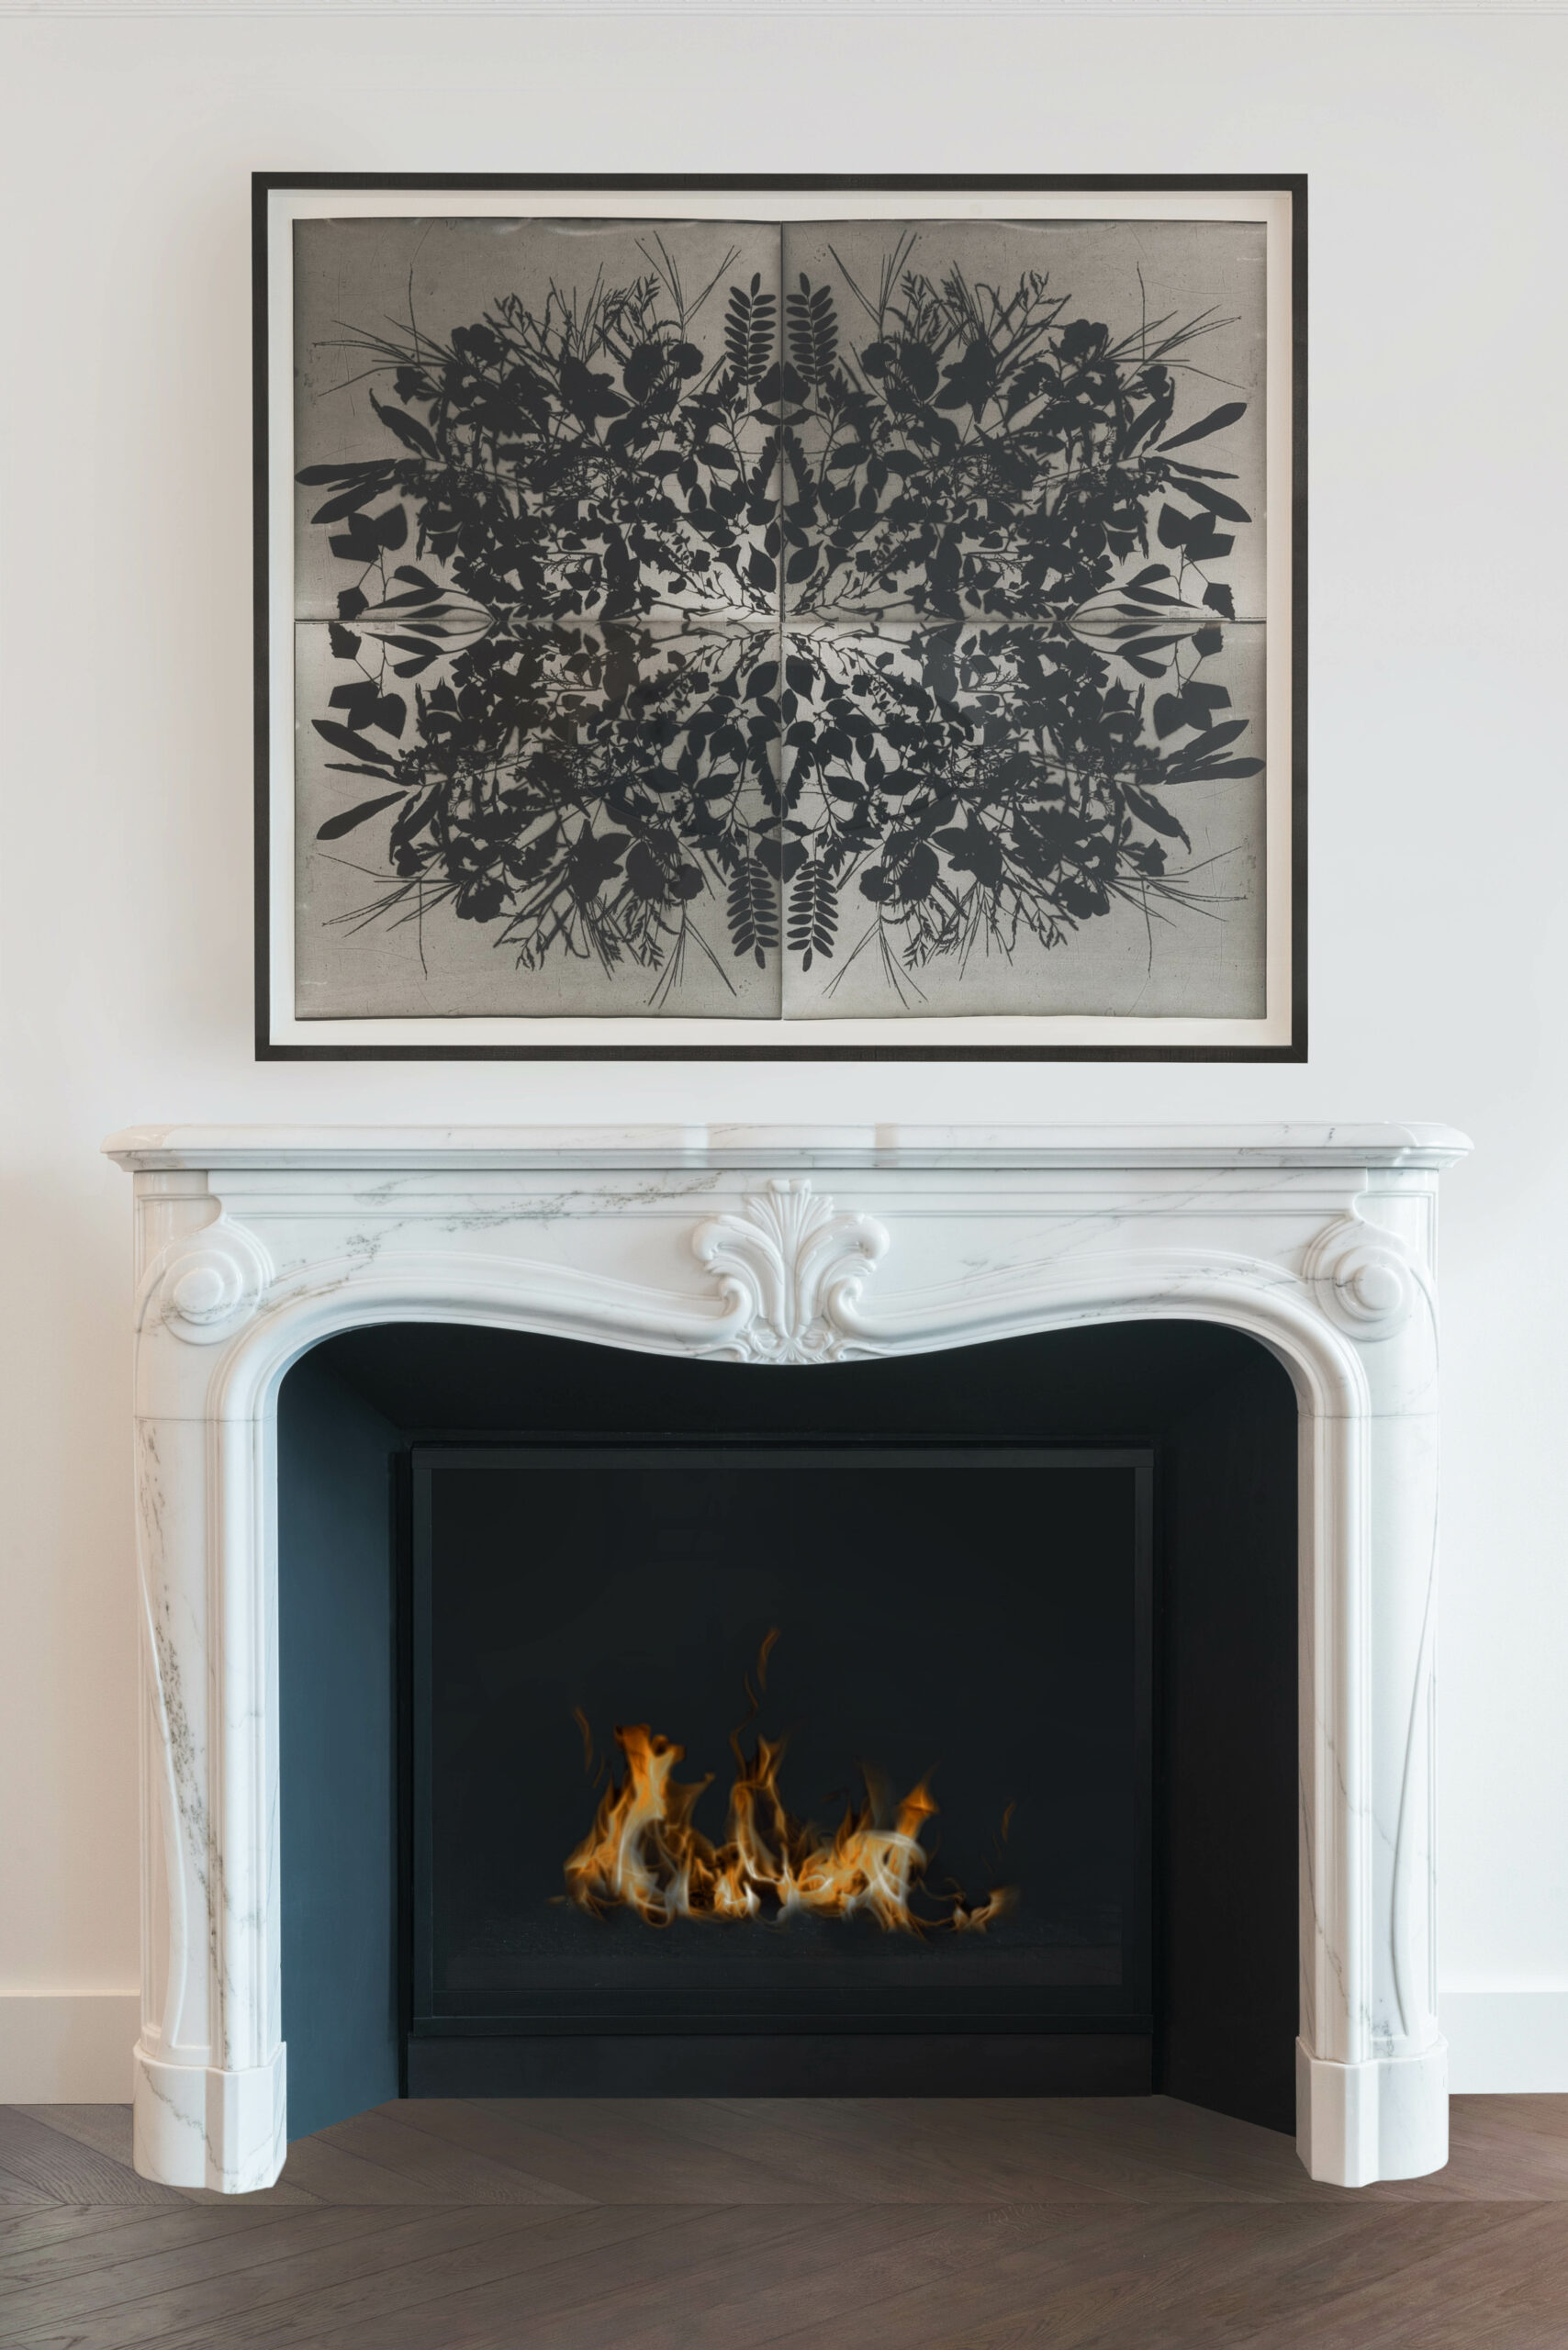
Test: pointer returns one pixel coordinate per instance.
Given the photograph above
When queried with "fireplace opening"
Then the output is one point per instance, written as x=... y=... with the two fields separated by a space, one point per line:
x=984 y=1663
x=836 y=1755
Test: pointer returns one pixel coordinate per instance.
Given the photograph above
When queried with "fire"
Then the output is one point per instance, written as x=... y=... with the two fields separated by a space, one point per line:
x=644 y=1852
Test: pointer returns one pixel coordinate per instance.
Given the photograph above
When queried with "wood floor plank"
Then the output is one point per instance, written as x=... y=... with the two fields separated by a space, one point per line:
x=1066 y=2243
x=33 y=2226
x=886 y=2165
x=724 y=2300
x=134 y=2231
x=1532 y=2306
x=841 y=2269
x=581 y=2156
x=414 y=2299
x=1159 y=2149
x=302 y=2273
x=1447 y=2276
x=1410 y=2282
x=18 y=2194
x=1497 y=2156
x=477 y=2123
x=420 y=2259
x=336 y=2177
x=148 y=2296
x=619 y=2150
x=1538 y=2116
x=1286 y=2266
x=1025 y=2149
x=61 y=2169
x=1197 y=2281
x=450 y=2167
x=553 y=2274
x=107 y=2129
x=1095 y=2277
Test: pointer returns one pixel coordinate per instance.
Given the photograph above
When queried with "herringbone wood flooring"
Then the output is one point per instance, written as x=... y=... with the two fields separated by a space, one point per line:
x=707 y=2224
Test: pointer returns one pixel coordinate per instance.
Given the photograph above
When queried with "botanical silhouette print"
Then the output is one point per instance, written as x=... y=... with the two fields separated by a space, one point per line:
x=839 y=619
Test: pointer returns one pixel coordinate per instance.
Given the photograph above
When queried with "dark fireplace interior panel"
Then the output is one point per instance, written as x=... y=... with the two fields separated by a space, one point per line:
x=963 y=1628
x=1217 y=1412
x=1228 y=1763
x=337 y=1737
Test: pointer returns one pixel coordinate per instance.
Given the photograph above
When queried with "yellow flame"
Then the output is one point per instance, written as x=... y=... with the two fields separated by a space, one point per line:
x=644 y=1852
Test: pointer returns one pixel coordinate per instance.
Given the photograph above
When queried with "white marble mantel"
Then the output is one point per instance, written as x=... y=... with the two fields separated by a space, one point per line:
x=800 y=1246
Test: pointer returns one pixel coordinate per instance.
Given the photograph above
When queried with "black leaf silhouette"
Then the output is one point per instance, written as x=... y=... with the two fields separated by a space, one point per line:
x=753 y=910
x=645 y=369
x=813 y=332
x=588 y=395
x=315 y=476
x=1216 y=421
x=972 y=382
x=973 y=850
x=336 y=826
x=348 y=502
x=813 y=913
x=1216 y=501
x=751 y=326
x=592 y=860
x=408 y=429
x=342 y=739
x=1147 y=809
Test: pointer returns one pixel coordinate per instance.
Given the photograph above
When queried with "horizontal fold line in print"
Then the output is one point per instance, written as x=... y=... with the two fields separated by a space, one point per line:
x=729 y=619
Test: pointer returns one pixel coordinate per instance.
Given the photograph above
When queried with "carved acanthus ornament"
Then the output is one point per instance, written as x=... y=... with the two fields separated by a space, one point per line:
x=788 y=1262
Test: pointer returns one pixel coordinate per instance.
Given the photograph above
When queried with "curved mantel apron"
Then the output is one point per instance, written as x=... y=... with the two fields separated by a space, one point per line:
x=800 y=1247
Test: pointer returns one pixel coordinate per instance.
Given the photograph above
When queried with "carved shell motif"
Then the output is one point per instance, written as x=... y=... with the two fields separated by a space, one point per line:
x=788 y=1262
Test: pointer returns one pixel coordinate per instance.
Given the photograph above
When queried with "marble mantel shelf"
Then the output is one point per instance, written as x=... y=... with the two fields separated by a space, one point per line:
x=798 y=1247
x=391 y=1148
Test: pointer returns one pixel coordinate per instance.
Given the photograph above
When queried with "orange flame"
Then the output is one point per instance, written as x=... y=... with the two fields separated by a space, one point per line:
x=644 y=1852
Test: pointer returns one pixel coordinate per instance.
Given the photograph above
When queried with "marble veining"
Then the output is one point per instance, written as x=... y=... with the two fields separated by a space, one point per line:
x=796 y=1248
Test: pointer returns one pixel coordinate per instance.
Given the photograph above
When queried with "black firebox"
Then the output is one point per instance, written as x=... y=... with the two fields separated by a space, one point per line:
x=1030 y=1607
x=776 y=1766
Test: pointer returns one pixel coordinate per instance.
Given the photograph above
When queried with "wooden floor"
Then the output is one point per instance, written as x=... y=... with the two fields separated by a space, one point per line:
x=715 y=2225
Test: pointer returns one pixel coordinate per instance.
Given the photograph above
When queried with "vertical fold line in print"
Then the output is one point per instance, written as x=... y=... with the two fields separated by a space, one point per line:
x=778 y=661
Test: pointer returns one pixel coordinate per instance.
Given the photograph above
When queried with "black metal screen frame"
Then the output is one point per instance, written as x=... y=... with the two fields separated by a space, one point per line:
x=1127 y=2016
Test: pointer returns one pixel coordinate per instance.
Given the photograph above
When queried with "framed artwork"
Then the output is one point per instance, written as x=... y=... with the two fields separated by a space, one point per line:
x=781 y=617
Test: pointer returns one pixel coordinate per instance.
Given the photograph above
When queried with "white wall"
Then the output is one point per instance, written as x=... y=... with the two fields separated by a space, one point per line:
x=1439 y=988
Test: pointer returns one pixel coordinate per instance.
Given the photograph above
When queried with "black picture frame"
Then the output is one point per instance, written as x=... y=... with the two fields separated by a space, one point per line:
x=269 y=1045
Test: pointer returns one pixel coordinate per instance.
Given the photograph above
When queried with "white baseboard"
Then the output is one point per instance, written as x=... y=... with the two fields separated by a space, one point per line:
x=67 y=2047
x=1505 y=2043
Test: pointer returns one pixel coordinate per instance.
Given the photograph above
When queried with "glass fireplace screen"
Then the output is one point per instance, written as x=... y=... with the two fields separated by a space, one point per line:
x=778 y=1737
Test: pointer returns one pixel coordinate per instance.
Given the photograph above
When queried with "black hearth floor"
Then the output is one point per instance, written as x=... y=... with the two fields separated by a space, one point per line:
x=693 y=2224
